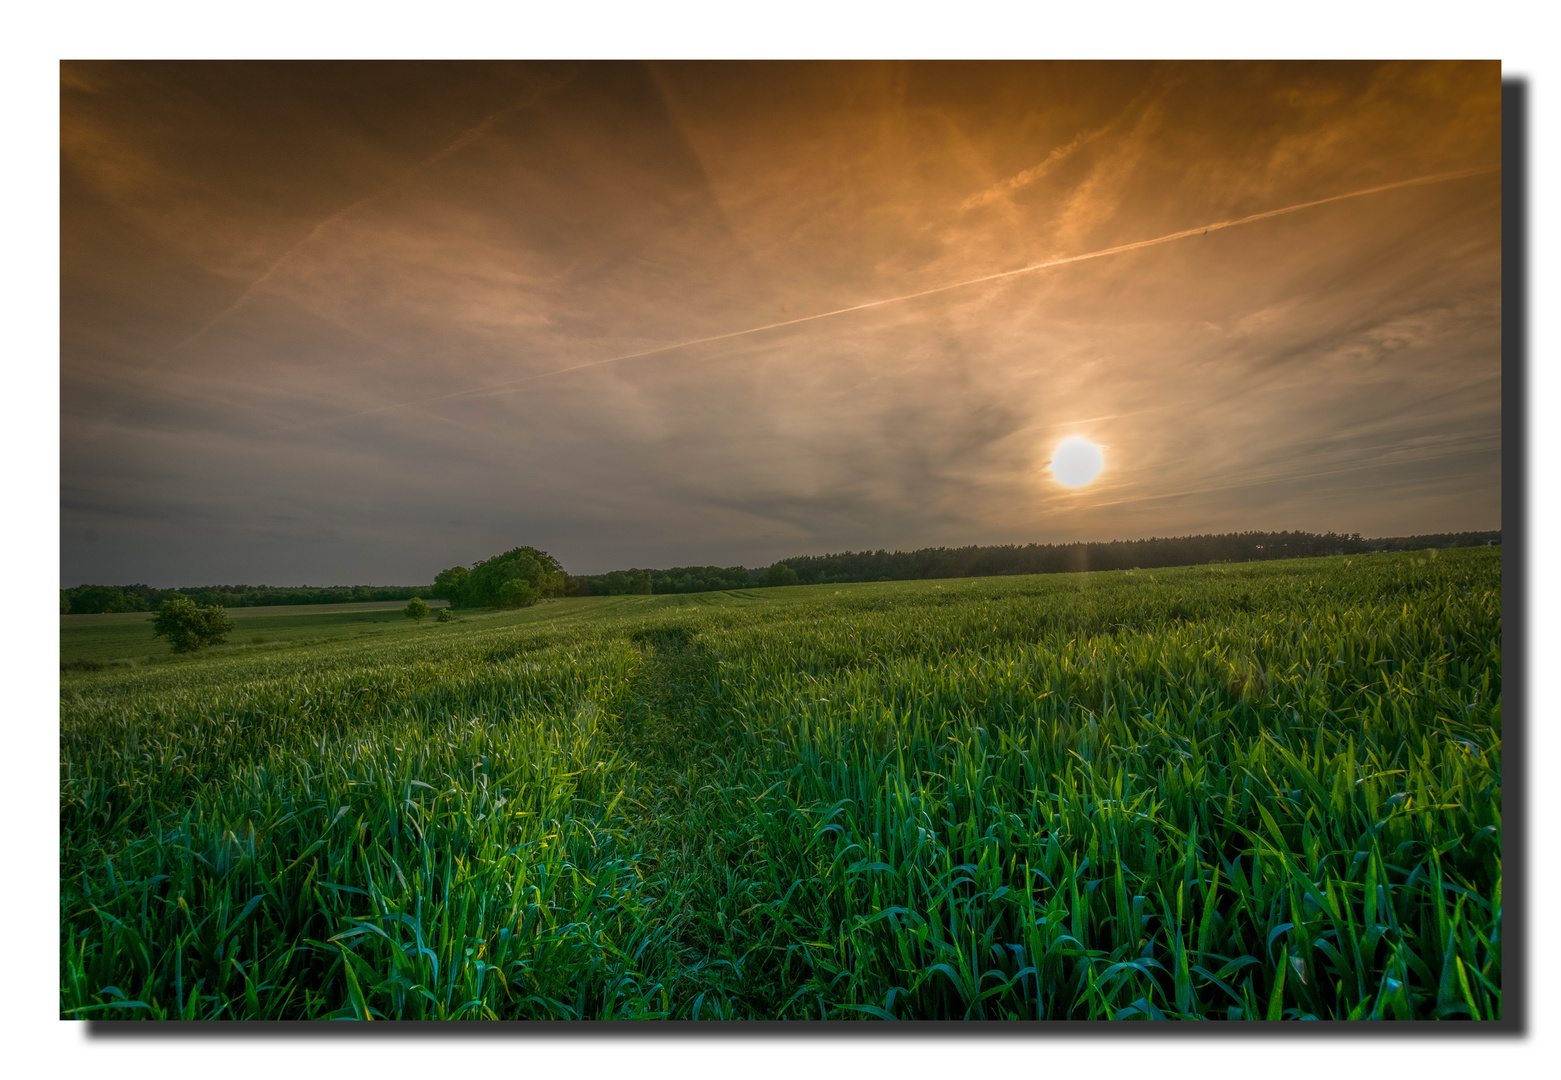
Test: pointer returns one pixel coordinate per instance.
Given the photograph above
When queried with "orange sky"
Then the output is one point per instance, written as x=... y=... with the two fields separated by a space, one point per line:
x=305 y=308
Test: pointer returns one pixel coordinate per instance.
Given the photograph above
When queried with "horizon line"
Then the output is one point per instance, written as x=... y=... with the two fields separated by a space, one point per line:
x=834 y=554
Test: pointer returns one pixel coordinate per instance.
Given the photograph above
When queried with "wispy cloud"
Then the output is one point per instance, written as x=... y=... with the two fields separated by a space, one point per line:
x=727 y=313
x=1035 y=172
x=323 y=227
x=1049 y=264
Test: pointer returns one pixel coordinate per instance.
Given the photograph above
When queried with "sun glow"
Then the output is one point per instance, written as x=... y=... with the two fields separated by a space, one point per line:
x=1076 y=462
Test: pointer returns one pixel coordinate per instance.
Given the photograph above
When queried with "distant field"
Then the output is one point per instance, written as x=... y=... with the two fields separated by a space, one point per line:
x=1253 y=791
x=128 y=635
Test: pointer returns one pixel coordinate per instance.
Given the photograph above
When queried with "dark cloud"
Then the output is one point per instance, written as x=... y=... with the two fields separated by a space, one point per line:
x=304 y=307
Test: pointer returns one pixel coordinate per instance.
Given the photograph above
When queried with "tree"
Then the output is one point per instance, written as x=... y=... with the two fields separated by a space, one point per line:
x=780 y=574
x=187 y=626
x=448 y=584
x=416 y=609
x=517 y=592
x=491 y=582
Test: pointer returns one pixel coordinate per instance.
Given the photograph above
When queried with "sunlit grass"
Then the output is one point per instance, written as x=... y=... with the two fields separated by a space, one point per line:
x=1259 y=791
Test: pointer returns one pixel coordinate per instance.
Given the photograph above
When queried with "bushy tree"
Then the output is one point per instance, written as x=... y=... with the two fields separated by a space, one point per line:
x=416 y=609
x=188 y=626
x=517 y=592
x=780 y=574
x=449 y=583
x=517 y=578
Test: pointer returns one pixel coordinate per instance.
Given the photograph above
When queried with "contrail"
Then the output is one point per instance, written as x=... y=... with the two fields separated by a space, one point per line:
x=466 y=138
x=1434 y=178
x=249 y=290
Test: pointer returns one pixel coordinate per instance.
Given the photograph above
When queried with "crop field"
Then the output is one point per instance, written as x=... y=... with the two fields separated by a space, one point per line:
x=1245 y=792
x=92 y=641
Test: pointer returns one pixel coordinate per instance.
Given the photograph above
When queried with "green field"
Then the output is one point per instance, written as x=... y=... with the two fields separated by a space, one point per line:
x=88 y=641
x=1255 y=791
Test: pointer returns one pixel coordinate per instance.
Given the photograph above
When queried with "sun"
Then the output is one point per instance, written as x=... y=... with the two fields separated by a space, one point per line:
x=1076 y=462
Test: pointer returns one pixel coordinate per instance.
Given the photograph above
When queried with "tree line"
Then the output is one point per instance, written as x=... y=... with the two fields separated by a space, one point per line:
x=101 y=599
x=995 y=560
x=681 y=579
x=977 y=561
x=523 y=575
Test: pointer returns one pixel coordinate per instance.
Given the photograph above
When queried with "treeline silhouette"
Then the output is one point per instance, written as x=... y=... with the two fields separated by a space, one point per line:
x=991 y=561
x=846 y=566
x=1113 y=555
x=681 y=579
x=101 y=599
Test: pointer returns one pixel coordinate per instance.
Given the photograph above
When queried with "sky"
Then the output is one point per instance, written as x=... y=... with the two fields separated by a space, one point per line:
x=340 y=323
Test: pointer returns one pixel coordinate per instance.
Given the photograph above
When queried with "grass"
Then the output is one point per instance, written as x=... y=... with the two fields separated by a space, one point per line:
x=1249 y=792
x=89 y=642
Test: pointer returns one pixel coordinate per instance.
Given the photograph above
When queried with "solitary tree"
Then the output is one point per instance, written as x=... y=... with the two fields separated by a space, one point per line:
x=416 y=609
x=188 y=626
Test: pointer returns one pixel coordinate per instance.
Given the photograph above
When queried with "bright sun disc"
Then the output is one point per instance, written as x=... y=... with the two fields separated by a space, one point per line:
x=1076 y=462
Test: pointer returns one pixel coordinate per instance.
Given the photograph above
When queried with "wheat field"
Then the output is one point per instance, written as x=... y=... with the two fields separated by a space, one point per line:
x=1264 y=791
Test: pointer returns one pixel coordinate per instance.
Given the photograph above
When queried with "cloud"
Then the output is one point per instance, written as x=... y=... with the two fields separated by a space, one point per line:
x=1033 y=173
x=728 y=313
